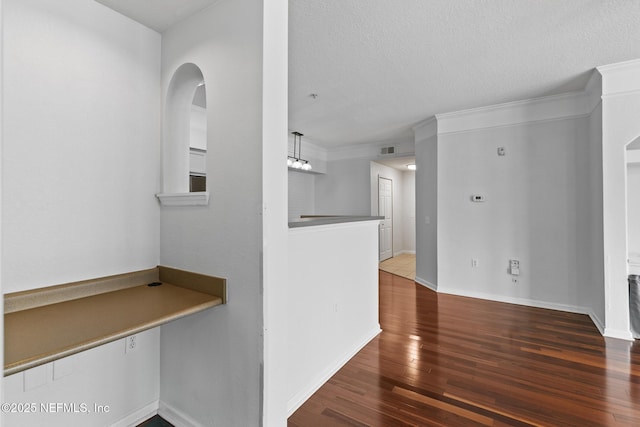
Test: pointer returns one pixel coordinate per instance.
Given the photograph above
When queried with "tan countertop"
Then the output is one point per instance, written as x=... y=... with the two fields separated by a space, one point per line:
x=34 y=336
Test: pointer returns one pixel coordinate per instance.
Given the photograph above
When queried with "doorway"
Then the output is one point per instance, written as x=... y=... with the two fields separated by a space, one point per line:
x=633 y=206
x=385 y=209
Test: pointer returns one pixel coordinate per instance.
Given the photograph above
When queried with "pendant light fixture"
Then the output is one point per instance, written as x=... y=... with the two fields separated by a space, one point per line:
x=297 y=162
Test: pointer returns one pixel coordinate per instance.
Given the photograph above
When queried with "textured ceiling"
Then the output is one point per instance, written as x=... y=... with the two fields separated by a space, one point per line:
x=381 y=66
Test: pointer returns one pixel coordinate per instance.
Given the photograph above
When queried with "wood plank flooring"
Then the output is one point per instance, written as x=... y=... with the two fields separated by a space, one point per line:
x=445 y=360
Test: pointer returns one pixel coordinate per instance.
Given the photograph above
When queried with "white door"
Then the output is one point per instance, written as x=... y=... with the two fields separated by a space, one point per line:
x=385 y=208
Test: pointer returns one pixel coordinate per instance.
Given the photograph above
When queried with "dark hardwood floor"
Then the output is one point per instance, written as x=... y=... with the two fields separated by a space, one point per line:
x=444 y=360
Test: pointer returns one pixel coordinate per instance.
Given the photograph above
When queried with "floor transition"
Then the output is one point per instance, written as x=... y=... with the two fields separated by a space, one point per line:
x=401 y=265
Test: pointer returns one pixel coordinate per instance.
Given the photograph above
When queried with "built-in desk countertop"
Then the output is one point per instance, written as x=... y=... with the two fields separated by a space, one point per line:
x=46 y=324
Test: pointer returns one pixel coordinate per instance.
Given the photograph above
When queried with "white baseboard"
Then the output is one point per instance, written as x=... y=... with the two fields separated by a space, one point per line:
x=615 y=333
x=176 y=417
x=596 y=321
x=607 y=332
x=296 y=401
x=426 y=284
x=138 y=416
x=515 y=300
x=404 y=252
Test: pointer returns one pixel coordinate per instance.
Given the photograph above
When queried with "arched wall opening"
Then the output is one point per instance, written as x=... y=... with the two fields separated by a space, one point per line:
x=620 y=126
x=178 y=115
x=633 y=205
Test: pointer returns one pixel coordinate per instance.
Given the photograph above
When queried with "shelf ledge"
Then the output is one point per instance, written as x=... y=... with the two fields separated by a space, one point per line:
x=200 y=198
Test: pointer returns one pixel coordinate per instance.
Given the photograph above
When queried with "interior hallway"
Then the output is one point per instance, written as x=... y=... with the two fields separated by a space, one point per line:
x=453 y=361
x=401 y=265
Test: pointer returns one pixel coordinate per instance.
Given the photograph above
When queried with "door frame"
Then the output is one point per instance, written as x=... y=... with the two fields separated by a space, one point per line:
x=379 y=233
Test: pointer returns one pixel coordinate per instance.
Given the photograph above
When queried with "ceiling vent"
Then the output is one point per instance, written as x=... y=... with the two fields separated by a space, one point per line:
x=385 y=151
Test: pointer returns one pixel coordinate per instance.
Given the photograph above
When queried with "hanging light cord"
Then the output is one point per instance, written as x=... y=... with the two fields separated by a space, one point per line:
x=297 y=162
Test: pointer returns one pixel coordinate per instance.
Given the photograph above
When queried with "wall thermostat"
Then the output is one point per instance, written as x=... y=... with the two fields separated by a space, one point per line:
x=477 y=198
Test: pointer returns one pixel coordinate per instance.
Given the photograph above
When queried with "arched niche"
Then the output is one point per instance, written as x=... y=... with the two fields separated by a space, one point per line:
x=186 y=83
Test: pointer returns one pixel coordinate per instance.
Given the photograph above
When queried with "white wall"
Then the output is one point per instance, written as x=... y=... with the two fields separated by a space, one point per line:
x=529 y=213
x=409 y=211
x=345 y=188
x=333 y=295
x=589 y=235
x=620 y=126
x=544 y=203
x=80 y=167
x=427 y=204
x=1 y=199
x=275 y=236
x=128 y=383
x=218 y=380
x=633 y=207
x=81 y=130
x=301 y=195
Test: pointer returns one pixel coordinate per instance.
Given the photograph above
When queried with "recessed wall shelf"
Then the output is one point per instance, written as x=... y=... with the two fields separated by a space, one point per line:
x=200 y=198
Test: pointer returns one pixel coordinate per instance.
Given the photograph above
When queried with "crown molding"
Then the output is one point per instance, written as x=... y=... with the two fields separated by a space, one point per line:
x=593 y=90
x=620 y=78
x=623 y=65
x=562 y=106
x=425 y=129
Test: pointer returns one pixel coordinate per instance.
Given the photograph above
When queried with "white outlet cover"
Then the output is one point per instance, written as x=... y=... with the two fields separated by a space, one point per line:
x=128 y=348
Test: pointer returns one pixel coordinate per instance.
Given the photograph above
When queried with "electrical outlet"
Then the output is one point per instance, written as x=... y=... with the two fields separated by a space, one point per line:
x=474 y=262
x=514 y=267
x=131 y=343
